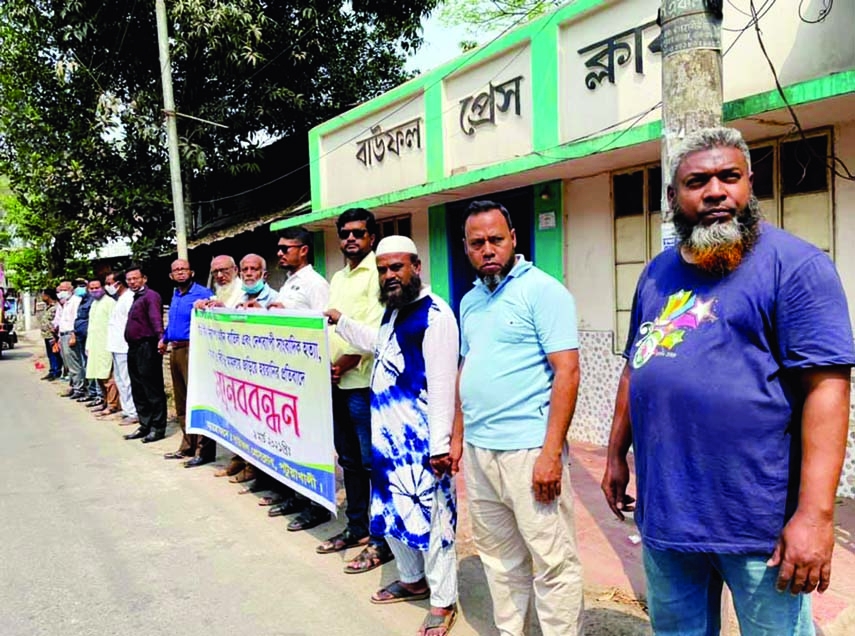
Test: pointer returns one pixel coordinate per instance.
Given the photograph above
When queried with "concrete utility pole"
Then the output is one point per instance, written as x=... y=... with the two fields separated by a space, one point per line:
x=171 y=130
x=691 y=81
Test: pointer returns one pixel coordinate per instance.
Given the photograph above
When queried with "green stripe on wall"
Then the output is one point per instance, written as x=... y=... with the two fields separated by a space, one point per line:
x=272 y=320
x=549 y=243
x=440 y=279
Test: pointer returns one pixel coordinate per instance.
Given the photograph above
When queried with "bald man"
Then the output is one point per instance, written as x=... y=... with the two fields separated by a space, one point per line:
x=197 y=449
x=227 y=285
x=253 y=276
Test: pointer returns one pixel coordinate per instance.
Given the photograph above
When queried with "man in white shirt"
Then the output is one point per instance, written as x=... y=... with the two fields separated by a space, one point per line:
x=307 y=290
x=71 y=354
x=118 y=346
x=304 y=288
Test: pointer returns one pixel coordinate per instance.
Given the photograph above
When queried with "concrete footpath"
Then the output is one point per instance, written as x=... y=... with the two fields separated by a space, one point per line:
x=610 y=551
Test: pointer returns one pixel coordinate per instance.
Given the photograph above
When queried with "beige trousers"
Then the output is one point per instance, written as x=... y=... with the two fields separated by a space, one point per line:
x=524 y=545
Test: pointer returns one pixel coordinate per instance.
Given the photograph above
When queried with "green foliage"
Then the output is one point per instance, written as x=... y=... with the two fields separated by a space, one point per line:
x=479 y=16
x=81 y=124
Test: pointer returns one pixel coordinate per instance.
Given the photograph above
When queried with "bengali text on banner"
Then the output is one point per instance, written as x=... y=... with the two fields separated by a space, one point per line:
x=260 y=385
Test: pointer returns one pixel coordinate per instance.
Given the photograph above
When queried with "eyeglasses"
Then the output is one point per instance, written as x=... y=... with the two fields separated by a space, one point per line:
x=285 y=248
x=357 y=234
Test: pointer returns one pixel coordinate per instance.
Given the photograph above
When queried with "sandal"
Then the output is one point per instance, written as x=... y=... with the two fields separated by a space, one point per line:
x=396 y=593
x=373 y=556
x=438 y=625
x=342 y=541
x=247 y=474
x=271 y=500
x=235 y=465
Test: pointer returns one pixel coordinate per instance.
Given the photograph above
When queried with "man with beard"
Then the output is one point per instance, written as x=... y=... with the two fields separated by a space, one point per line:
x=143 y=331
x=412 y=409
x=304 y=289
x=737 y=467
x=227 y=285
x=355 y=290
x=99 y=361
x=517 y=388
x=257 y=294
x=197 y=449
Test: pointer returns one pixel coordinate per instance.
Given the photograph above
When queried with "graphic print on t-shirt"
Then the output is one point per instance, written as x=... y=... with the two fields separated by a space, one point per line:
x=684 y=311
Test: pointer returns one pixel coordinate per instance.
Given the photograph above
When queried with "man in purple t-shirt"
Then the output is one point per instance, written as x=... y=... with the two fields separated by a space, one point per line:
x=735 y=397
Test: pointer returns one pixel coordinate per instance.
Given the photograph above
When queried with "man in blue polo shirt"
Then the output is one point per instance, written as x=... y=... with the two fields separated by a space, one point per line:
x=518 y=383
x=735 y=398
x=197 y=449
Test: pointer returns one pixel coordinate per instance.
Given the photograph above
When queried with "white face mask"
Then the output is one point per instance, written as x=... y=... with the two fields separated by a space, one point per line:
x=111 y=289
x=64 y=295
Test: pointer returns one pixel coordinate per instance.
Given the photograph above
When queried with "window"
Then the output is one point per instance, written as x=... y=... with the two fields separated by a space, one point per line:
x=791 y=182
x=399 y=225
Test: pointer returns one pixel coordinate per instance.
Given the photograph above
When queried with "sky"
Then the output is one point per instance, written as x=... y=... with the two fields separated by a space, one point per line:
x=441 y=44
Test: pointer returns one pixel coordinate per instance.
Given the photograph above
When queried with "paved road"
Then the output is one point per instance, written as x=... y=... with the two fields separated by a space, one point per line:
x=101 y=536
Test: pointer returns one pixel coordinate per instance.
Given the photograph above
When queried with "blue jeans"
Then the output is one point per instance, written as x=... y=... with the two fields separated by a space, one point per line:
x=684 y=595
x=352 y=437
x=54 y=359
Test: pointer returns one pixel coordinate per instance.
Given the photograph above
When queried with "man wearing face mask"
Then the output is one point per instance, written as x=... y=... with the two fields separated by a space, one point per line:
x=253 y=276
x=71 y=353
x=99 y=362
x=93 y=397
x=198 y=449
x=145 y=365
x=118 y=347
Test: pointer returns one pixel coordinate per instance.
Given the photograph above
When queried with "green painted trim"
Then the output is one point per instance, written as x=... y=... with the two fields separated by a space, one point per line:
x=549 y=244
x=812 y=90
x=544 y=93
x=434 y=133
x=315 y=169
x=411 y=89
x=440 y=277
x=801 y=93
x=319 y=252
x=271 y=320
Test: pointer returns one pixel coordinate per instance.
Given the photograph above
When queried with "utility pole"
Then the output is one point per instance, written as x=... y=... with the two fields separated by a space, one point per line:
x=171 y=130
x=691 y=81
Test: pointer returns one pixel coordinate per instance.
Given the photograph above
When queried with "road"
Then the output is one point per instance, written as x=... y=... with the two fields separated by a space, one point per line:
x=101 y=536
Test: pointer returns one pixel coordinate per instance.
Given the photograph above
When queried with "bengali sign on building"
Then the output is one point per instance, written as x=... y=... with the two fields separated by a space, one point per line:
x=260 y=385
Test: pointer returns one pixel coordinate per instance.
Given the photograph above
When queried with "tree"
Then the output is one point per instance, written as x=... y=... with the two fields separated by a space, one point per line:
x=81 y=128
x=493 y=15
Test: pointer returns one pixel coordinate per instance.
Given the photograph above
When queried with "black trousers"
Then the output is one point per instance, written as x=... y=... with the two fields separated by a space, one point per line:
x=145 y=367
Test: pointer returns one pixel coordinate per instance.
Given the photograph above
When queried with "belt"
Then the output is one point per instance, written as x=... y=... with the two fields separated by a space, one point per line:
x=179 y=344
x=66 y=333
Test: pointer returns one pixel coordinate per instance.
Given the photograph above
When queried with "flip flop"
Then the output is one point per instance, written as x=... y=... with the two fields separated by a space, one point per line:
x=371 y=557
x=437 y=622
x=397 y=593
x=342 y=541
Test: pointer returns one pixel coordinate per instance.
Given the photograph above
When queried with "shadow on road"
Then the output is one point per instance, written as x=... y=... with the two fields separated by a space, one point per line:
x=15 y=354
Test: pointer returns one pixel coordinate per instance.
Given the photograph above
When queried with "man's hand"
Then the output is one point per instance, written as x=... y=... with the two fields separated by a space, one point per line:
x=440 y=464
x=201 y=304
x=615 y=481
x=161 y=347
x=333 y=316
x=276 y=305
x=455 y=454
x=72 y=341
x=546 y=478
x=335 y=374
x=252 y=304
x=803 y=553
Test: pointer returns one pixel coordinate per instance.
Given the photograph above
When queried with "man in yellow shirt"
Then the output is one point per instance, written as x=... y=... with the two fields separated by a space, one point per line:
x=355 y=291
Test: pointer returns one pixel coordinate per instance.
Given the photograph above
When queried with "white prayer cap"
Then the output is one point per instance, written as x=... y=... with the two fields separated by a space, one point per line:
x=396 y=245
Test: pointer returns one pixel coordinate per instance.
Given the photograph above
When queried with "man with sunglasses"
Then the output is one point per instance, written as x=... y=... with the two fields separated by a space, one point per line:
x=304 y=289
x=355 y=291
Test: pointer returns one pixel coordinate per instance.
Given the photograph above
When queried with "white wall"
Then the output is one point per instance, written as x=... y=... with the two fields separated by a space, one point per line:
x=589 y=252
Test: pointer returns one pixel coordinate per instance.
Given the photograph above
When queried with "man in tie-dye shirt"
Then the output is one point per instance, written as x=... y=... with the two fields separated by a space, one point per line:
x=412 y=409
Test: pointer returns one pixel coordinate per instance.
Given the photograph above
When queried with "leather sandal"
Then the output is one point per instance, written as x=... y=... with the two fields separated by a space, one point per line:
x=342 y=541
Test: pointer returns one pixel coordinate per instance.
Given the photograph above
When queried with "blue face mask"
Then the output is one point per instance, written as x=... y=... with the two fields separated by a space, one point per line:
x=253 y=289
x=80 y=291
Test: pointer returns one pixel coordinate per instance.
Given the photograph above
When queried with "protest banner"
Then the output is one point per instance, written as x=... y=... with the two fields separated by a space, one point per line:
x=260 y=385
